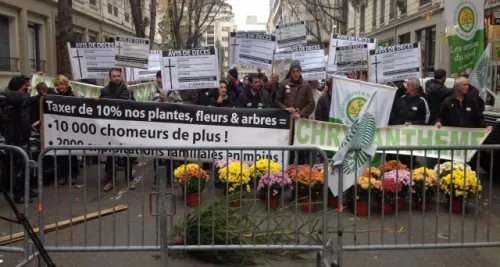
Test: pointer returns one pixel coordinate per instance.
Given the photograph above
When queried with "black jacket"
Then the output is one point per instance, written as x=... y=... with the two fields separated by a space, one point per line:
x=225 y=101
x=205 y=97
x=234 y=92
x=466 y=114
x=323 y=107
x=473 y=95
x=436 y=93
x=412 y=109
x=113 y=91
x=248 y=100
x=16 y=127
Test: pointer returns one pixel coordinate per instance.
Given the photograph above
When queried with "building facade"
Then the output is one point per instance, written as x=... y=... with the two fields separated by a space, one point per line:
x=217 y=34
x=28 y=31
x=406 y=21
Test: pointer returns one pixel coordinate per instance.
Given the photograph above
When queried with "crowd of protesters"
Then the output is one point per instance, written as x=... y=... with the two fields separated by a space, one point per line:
x=436 y=105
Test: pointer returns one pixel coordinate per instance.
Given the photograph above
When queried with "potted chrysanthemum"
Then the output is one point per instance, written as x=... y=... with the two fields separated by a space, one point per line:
x=193 y=180
x=424 y=187
x=260 y=168
x=361 y=194
x=272 y=186
x=401 y=177
x=458 y=182
x=236 y=177
x=309 y=183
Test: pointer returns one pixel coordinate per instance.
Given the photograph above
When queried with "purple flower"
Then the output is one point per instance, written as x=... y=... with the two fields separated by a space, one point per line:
x=274 y=181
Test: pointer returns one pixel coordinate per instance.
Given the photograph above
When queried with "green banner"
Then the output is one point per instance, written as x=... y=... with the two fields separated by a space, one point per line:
x=141 y=91
x=465 y=26
x=329 y=136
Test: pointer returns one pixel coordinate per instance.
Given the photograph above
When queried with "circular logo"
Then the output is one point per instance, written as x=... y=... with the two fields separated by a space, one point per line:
x=466 y=19
x=354 y=107
x=351 y=106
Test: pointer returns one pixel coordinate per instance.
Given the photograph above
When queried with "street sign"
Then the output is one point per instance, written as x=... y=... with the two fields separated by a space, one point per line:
x=495 y=18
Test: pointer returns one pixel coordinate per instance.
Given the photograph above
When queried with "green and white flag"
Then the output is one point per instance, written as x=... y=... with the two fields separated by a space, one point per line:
x=349 y=97
x=465 y=27
x=353 y=162
x=479 y=77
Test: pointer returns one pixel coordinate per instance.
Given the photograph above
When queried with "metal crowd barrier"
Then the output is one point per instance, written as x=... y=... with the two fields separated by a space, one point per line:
x=472 y=224
x=15 y=161
x=79 y=211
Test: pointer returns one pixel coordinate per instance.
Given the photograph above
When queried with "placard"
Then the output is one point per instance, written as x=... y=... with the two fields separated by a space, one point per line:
x=352 y=57
x=132 y=52
x=252 y=49
x=312 y=61
x=135 y=74
x=291 y=34
x=92 y=60
x=395 y=63
x=345 y=40
x=190 y=69
x=81 y=121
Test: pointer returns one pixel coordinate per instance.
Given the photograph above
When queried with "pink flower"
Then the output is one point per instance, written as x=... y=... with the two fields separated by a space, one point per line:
x=400 y=176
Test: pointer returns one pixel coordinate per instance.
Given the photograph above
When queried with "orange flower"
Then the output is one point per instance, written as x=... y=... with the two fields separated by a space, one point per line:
x=393 y=165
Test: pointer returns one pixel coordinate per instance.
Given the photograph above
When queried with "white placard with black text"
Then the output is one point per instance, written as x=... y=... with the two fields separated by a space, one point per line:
x=92 y=60
x=132 y=52
x=135 y=74
x=190 y=69
x=344 y=40
x=352 y=57
x=395 y=63
x=252 y=49
x=86 y=122
x=291 y=34
x=312 y=61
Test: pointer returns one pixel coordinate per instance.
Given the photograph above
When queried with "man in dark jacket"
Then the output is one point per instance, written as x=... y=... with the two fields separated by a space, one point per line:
x=254 y=96
x=235 y=86
x=410 y=108
x=324 y=102
x=458 y=110
x=294 y=94
x=473 y=94
x=116 y=89
x=436 y=93
x=16 y=129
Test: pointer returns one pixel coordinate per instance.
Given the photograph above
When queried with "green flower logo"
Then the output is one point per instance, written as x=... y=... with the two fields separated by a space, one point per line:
x=361 y=135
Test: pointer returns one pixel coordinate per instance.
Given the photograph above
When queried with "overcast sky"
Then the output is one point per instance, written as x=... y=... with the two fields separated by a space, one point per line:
x=244 y=8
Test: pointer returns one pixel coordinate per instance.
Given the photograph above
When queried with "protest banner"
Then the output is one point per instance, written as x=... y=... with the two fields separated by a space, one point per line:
x=141 y=91
x=465 y=24
x=291 y=34
x=349 y=96
x=329 y=136
x=312 y=61
x=190 y=69
x=344 y=40
x=132 y=52
x=352 y=57
x=252 y=49
x=81 y=121
x=395 y=63
x=91 y=60
x=136 y=74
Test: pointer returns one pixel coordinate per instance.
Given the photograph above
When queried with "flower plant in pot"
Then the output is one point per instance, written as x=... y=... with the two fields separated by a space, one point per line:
x=193 y=180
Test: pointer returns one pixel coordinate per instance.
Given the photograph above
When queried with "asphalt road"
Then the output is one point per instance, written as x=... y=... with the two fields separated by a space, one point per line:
x=136 y=227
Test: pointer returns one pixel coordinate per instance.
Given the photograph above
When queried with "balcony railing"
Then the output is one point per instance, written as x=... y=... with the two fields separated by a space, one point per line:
x=37 y=65
x=9 y=64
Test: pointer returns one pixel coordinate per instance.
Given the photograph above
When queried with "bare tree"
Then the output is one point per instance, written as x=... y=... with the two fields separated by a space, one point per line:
x=152 y=26
x=185 y=21
x=140 y=22
x=64 y=33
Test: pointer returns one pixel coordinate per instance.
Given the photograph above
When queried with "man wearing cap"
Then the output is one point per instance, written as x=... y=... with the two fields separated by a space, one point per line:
x=235 y=87
x=294 y=94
